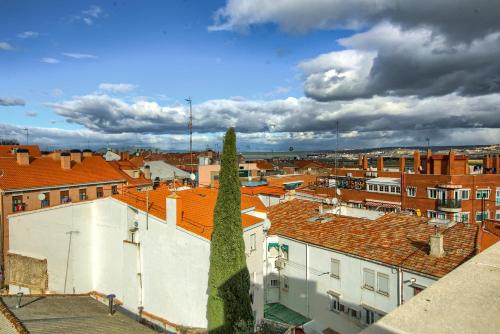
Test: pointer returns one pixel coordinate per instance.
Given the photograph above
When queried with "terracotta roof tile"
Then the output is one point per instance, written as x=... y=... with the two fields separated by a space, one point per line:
x=47 y=172
x=394 y=239
x=197 y=207
x=122 y=165
x=6 y=150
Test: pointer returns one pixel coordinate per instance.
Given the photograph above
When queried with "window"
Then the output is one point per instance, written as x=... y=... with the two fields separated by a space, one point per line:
x=375 y=187
x=482 y=193
x=386 y=189
x=411 y=191
x=335 y=305
x=417 y=290
x=369 y=316
x=432 y=193
x=497 y=215
x=17 y=203
x=383 y=284
x=274 y=283
x=114 y=190
x=368 y=279
x=285 y=283
x=461 y=217
x=45 y=202
x=436 y=214
x=464 y=194
x=100 y=192
x=253 y=244
x=64 y=195
x=370 y=187
x=398 y=189
x=82 y=194
x=353 y=313
x=497 y=197
x=480 y=215
x=335 y=268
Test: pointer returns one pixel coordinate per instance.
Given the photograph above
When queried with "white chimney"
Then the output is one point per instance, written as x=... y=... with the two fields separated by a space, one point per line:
x=173 y=208
x=436 y=244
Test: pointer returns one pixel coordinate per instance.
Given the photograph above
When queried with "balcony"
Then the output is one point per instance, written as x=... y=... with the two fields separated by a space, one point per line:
x=450 y=205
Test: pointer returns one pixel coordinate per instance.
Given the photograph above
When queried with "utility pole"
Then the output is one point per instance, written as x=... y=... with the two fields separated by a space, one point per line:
x=27 y=135
x=428 y=142
x=188 y=100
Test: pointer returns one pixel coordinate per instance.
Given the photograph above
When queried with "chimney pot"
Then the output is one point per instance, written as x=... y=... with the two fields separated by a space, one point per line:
x=147 y=172
x=23 y=157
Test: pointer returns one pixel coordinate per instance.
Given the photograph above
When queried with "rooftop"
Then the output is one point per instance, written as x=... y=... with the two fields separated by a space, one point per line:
x=47 y=172
x=465 y=301
x=122 y=165
x=197 y=207
x=7 y=150
x=68 y=314
x=393 y=239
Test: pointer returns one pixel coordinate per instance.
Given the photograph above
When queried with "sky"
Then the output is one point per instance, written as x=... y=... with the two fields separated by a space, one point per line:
x=81 y=74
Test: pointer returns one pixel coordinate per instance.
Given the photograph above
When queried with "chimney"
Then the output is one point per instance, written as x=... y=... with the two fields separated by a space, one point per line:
x=402 y=164
x=124 y=155
x=65 y=161
x=76 y=156
x=428 y=162
x=451 y=161
x=360 y=161
x=380 y=164
x=87 y=153
x=23 y=157
x=436 y=244
x=365 y=162
x=147 y=172
x=56 y=155
x=485 y=164
x=416 y=162
x=174 y=208
x=320 y=209
x=496 y=164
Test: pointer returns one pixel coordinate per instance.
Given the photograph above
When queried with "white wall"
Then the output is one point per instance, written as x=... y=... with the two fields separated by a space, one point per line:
x=166 y=270
x=307 y=293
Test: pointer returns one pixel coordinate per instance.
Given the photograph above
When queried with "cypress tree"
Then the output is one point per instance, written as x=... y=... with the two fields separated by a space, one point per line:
x=229 y=307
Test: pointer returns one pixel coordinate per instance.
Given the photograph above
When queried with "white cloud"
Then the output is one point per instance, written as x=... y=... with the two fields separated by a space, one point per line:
x=49 y=60
x=117 y=87
x=6 y=46
x=79 y=55
x=28 y=34
x=91 y=14
x=8 y=102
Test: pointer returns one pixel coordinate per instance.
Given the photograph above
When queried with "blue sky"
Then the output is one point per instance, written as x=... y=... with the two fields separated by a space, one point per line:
x=57 y=55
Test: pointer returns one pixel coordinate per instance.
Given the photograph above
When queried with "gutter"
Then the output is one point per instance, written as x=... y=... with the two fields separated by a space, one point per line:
x=62 y=186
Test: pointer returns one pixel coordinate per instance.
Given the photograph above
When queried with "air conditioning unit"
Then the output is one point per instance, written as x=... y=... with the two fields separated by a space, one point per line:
x=280 y=263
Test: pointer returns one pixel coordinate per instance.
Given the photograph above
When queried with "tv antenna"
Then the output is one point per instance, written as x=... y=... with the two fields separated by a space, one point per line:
x=26 y=130
x=190 y=126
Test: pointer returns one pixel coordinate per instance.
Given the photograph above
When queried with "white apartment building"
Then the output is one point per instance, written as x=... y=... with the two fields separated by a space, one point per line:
x=155 y=263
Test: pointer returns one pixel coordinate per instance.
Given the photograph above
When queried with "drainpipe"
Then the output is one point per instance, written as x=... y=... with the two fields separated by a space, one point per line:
x=400 y=286
x=307 y=279
x=111 y=297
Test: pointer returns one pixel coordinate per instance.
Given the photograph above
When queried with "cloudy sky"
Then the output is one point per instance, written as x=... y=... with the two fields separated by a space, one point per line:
x=283 y=72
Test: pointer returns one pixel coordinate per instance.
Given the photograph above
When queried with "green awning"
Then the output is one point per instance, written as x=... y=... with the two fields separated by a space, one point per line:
x=284 y=248
x=273 y=245
x=281 y=313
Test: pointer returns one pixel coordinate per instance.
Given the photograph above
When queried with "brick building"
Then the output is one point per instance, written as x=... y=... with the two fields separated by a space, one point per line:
x=437 y=186
x=33 y=182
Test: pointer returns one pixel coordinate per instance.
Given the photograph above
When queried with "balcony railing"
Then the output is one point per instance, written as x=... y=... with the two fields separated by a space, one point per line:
x=450 y=203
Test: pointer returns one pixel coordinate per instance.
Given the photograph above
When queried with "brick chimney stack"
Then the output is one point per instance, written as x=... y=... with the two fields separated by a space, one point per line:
x=451 y=161
x=365 y=162
x=486 y=164
x=23 y=157
x=360 y=161
x=147 y=172
x=428 y=162
x=496 y=164
x=56 y=155
x=65 y=161
x=87 y=153
x=76 y=156
x=402 y=164
x=416 y=162
x=380 y=164
x=125 y=155
x=436 y=244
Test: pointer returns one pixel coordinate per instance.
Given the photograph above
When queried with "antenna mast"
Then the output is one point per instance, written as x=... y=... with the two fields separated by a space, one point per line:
x=190 y=126
x=27 y=135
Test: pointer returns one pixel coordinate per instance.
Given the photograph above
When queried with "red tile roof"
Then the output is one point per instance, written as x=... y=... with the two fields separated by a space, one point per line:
x=122 y=165
x=264 y=190
x=393 y=239
x=261 y=164
x=6 y=150
x=197 y=207
x=47 y=172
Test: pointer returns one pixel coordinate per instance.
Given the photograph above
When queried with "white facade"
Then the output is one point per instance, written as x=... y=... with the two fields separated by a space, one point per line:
x=163 y=267
x=338 y=300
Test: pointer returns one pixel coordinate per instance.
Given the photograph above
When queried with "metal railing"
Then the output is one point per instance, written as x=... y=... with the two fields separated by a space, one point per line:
x=450 y=203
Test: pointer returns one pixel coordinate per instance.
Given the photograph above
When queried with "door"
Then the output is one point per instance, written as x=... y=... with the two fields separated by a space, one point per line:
x=131 y=276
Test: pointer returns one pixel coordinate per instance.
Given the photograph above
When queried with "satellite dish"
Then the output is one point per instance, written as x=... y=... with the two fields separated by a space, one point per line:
x=41 y=197
x=339 y=192
x=192 y=176
x=334 y=201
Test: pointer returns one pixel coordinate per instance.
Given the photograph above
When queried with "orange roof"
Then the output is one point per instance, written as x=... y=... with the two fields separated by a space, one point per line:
x=47 y=172
x=261 y=164
x=280 y=180
x=308 y=164
x=489 y=234
x=193 y=218
x=394 y=239
x=122 y=165
x=6 y=150
x=265 y=190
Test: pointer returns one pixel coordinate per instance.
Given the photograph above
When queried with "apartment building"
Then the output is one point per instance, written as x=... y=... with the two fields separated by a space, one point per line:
x=150 y=249
x=444 y=187
x=345 y=270
x=32 y=182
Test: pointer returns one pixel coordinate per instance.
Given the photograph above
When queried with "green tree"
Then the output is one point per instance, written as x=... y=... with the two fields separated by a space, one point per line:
x=229 y=307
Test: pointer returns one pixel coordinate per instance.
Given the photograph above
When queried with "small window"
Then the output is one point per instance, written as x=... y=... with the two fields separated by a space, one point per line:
x=114 y=190
x=253 y=243
x=285 y=283
x=368 y=279
x=464 y=193
x=335 y=268
x=481 y=215
x=370 y=187
x=482 y=193
x=411 y=191
x=45 y=202
x=335 y=304
x=497 y=195
x=369 y=316
x=64 y=196
x=497 y=215
x=17 y=203
x=461 y=217
x=353 y=313
x=99 y=192
x=432 y=193
x=82 y=194
x=398 y=189
x=274 y=283
x=383 y=284
x=386 y=189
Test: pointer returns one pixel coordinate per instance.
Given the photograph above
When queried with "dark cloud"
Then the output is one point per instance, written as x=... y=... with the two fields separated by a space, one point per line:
x=11 y=102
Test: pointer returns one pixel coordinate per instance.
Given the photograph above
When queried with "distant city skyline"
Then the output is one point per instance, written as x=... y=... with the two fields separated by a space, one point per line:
x=116 y=73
